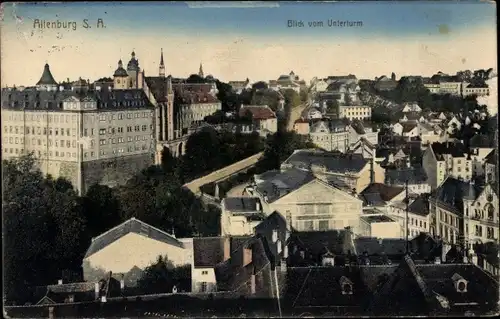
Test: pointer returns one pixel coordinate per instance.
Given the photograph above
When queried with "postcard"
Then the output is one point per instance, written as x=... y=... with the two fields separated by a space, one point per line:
x=249 y=159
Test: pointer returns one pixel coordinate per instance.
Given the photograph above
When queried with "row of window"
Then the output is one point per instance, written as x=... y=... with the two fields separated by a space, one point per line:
x=37 y=141
x=65 y=118
x=40 y=153
x=418 y=223
x=112 y=130
x=32 y=130
x=116 y=151
x=121 y=116
x=120 y=140
x=448 y=219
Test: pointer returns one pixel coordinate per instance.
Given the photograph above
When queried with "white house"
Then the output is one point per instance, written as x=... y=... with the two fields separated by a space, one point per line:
x=453 y=125
x=207 y=253
x=318 y=85
x=264 y=120
x=376 y=224
x=314 y=113
x=330 y=135
x=470 y=89
x=129 y=248
x=240 y=215
x=412 y=108
x=307 y=202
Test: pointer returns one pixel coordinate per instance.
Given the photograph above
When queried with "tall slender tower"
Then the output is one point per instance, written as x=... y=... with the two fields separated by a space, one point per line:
x=200 y=73
x=162 y=65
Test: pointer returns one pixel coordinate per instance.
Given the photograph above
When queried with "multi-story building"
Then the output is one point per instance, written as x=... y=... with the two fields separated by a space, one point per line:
x=491 y=168
x=87 y=135
x=453 y=88
x=308 y=203
x=330 y=135
x=359 y=130
x=240 y=215
x=478 y=90
x=441 y=160
x=263 y=119
x=348 y=171
x=434 y=88
x=179 y=106
x=479 y=157
x=285 y=82
x=385 y=83
x=414 y=177
x=465 y=213
x=355 y=112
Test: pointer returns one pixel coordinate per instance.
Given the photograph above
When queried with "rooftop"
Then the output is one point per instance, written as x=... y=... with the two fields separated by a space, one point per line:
x=331 y=161
x=377 y=219
x=241 y=204
x=130 y=226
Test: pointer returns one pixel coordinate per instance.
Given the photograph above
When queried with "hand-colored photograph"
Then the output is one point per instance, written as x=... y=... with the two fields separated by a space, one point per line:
x=249 y=159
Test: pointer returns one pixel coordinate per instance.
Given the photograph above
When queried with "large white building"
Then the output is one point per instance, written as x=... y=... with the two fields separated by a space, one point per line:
x=465 y=213
x=330 y=135
x=86 y=134
x=446 y=159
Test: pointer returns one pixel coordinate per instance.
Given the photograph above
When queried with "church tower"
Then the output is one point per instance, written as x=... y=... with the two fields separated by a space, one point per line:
x=120 y=77
x=200 y=73
x=133 y=72
x=162 y=65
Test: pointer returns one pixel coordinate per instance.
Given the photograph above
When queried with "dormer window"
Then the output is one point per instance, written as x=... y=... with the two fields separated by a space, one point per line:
x=460 y=283
x=346 y=285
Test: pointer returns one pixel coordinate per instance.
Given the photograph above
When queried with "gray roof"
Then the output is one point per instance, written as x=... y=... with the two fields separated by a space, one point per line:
x=33 y=99
x=133 y=64
x=452 y=193
x=420 y=206
x=333 y=162
x=47 y=78
x=289 y=180
x=240 y=204
x=414 y=175
x=387 y=246
x=130 y=226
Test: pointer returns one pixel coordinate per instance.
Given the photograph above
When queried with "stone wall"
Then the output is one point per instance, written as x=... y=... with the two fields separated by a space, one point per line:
x=115 y=171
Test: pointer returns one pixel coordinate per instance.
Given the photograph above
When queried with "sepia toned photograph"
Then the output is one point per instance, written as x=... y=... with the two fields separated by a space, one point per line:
x=249 y=159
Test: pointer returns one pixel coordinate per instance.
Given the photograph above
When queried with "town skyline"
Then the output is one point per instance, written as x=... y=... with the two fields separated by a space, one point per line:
x=421 y=40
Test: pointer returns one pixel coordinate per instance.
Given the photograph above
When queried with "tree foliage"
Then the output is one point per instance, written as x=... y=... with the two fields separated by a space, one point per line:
x=44 y=227
x=279 y=147
x=162 y=276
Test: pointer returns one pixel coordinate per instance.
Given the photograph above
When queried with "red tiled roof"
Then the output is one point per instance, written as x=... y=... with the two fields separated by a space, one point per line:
x=259 y=112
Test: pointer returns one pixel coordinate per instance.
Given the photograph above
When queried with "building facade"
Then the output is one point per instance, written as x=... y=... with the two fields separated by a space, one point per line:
x=86 y=135
x=355 y=112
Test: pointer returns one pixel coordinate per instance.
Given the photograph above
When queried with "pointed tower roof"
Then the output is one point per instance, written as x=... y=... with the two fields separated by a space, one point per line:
x=120 y=71
x=47 y=78
x=161 y=57
x=200 y=73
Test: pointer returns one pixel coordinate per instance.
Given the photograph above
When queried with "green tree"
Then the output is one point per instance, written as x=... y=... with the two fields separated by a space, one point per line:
x=292 y=99
x=279 y=147
x=101 y=208
x=44 y=227
x=195 y=78
x=162 y=276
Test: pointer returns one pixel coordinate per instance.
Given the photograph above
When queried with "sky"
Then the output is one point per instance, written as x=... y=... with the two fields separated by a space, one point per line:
x=235 y=41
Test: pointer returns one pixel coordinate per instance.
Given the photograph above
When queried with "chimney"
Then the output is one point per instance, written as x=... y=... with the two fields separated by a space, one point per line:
x=257 y=205
x=60 y=282
x=227 y=247
x=51 y=312
x=122 y=283
x=96 y=290
x=437 y=261
x=252 y=282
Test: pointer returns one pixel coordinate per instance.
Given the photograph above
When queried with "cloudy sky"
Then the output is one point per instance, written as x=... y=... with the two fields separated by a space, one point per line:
x=239 y=41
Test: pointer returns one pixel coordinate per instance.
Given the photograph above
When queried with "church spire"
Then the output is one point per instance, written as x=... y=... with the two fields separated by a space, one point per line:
x=200 y=73
x=162 y=65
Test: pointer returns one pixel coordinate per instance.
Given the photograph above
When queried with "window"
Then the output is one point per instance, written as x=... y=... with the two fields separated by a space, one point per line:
x=308 y=225
x=85 y=132
x=306 y=209
x=120 y=130
x=102 y=131
x=102 y=142
x=324 y=225
x=204 y=287
x=120 y=116
x=204 y=272
x=56 y=132
x=102 y=117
